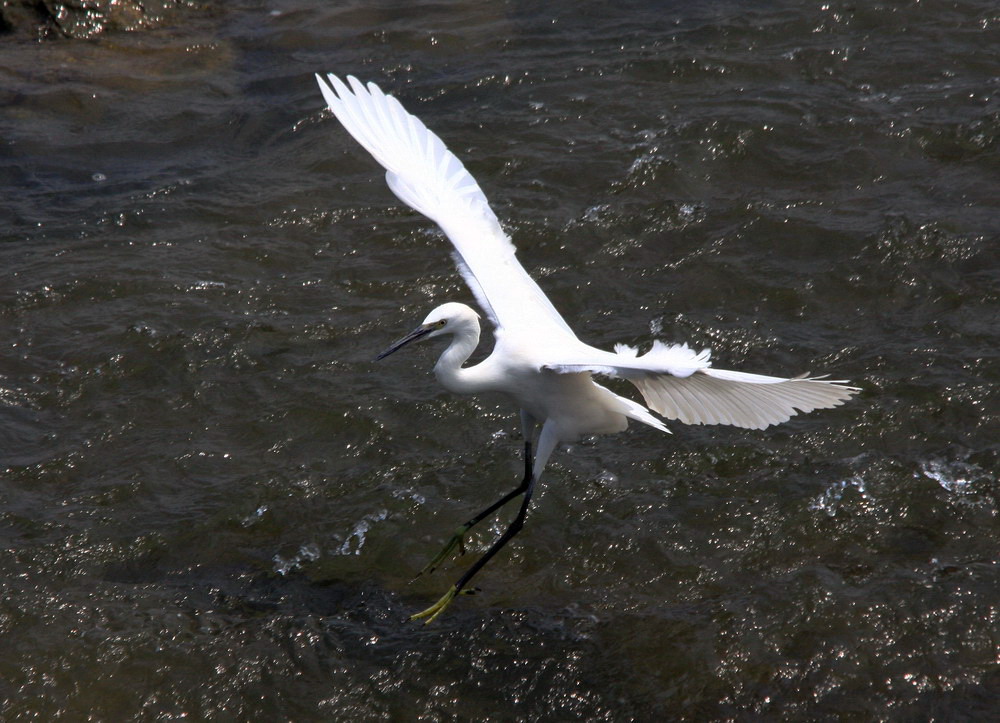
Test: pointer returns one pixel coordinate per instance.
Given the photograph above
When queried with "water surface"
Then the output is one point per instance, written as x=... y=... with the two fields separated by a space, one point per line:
x=213 y=503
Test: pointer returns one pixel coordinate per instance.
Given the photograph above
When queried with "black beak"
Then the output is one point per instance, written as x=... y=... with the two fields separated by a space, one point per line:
x=419 y=333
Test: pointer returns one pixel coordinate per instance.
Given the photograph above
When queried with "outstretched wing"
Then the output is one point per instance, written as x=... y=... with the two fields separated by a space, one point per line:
x=675 y=382
x=680 y=384
x=427 y=177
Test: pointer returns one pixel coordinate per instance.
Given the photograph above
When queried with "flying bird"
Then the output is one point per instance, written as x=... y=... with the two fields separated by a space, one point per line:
x=538 y=361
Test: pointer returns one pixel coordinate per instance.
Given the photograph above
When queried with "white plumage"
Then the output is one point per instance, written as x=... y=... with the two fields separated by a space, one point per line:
x=538 y=360
x=675 y=382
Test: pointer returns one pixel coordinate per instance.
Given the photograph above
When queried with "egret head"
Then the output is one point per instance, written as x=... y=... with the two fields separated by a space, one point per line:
x=450 y=318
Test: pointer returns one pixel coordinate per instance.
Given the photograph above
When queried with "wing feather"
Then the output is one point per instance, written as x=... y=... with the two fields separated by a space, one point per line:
x=679 y=384
x=426 y=176
x=675 y=381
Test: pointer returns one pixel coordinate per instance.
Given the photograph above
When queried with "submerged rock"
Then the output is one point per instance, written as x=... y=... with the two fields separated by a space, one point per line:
x=84 y=18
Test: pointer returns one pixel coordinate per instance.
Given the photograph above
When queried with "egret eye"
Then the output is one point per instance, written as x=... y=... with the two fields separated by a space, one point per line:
x=441 y=323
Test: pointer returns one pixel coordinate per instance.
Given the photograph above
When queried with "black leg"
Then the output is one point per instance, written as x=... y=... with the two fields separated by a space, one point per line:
x=547 y=442
x=506 y=537
x=437 y=608
x=458 y=539
x=510 y=495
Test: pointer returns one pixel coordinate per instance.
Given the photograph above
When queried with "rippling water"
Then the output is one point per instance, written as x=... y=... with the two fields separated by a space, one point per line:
x=213 y=502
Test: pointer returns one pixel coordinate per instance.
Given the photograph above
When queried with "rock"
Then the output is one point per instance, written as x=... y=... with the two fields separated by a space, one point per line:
x=84 y=18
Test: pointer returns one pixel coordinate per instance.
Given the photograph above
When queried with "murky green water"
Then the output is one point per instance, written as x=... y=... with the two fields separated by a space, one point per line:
x=212 y=502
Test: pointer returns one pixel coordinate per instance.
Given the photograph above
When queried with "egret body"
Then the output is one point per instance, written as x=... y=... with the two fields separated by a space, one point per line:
x=537 y=360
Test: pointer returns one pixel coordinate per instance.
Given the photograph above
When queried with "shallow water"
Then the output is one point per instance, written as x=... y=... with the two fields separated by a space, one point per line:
x=213 y=502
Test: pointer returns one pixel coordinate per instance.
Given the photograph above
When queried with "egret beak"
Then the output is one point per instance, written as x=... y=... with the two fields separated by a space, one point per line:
x=419 y=333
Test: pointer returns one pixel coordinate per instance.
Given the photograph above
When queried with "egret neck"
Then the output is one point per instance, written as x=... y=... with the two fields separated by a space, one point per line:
x=448 y=369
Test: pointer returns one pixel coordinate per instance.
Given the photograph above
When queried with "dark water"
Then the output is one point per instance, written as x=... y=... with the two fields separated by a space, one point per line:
x=212 y=502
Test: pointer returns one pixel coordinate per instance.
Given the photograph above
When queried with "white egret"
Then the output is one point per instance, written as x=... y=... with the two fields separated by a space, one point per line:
x=537 y=360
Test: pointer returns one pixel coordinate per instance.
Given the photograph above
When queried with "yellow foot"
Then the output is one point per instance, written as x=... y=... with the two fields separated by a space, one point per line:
x=437 y=608
x=457 y=540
